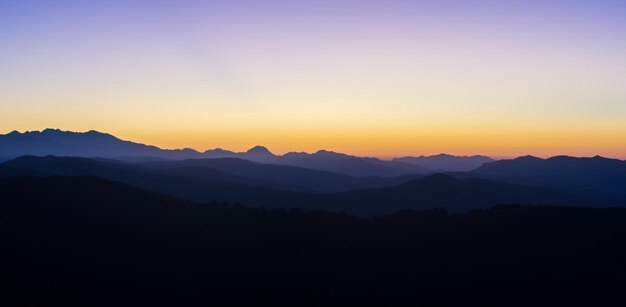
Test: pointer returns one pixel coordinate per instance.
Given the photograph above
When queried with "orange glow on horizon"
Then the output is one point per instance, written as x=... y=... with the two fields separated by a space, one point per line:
x=370 y=79
x=387 y=144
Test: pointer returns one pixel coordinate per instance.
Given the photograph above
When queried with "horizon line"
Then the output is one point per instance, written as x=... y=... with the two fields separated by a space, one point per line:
x=382 y=157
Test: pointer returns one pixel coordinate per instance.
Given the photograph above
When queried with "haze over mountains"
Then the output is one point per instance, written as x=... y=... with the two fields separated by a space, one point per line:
x=444 y=162
x=279 y=186
x=96 y=144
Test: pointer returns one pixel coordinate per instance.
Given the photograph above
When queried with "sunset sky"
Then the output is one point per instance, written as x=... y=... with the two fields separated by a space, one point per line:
x=378 y=78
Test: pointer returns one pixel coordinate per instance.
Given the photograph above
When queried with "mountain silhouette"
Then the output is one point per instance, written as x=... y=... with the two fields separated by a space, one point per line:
x=447 y=163
x=201 y=185
x=459 y=195
x=219 y=153
x=94 y=144
x=259 y=151
x=306 y=179
x=86 y=144
x=205 y=180
x=329 y=161
x=351 y=165
x=259 y=185
x=596 y=173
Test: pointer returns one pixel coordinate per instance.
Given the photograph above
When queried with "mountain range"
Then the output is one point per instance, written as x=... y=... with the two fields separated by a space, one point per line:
x=595 y=173
x=93 y=144
x=279 y=186
x=323 y=180
x=445 y=162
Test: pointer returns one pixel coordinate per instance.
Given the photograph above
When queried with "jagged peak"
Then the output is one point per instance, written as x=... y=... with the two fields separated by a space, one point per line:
x=323 y=151
x=48 y=130
x=56 y=131
x=94 y=132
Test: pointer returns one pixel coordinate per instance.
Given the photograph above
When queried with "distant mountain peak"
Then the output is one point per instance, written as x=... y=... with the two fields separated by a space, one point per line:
x=51 y=130
x=323 y=152
x=55 y=132
x=95 y=132
x=446 y=162
x=295 y=153
x=259 y=150
x=218 y=151
x=528 y=158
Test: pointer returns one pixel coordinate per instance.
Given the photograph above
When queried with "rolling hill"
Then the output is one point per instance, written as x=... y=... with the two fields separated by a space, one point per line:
x=447 y=163
x=195 y=185
x=460 y=195
x=596 y=173
x=191 y=180
x=305 y=178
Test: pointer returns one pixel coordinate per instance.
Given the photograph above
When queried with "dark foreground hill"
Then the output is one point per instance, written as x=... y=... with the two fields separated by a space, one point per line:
x=85 y=241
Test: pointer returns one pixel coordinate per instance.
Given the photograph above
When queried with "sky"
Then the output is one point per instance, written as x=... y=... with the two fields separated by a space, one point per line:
x=376 y=78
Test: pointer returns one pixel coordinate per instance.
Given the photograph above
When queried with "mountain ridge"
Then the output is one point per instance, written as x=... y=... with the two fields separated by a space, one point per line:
x=596 y=173
x=191 y=182
x=446 y=162
x=92 y=144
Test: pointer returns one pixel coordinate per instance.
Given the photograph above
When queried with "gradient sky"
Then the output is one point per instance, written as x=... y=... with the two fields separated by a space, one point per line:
x=378 y=78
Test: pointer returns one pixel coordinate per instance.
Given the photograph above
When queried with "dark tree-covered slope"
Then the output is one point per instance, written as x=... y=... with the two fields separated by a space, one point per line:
x=87 y=241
